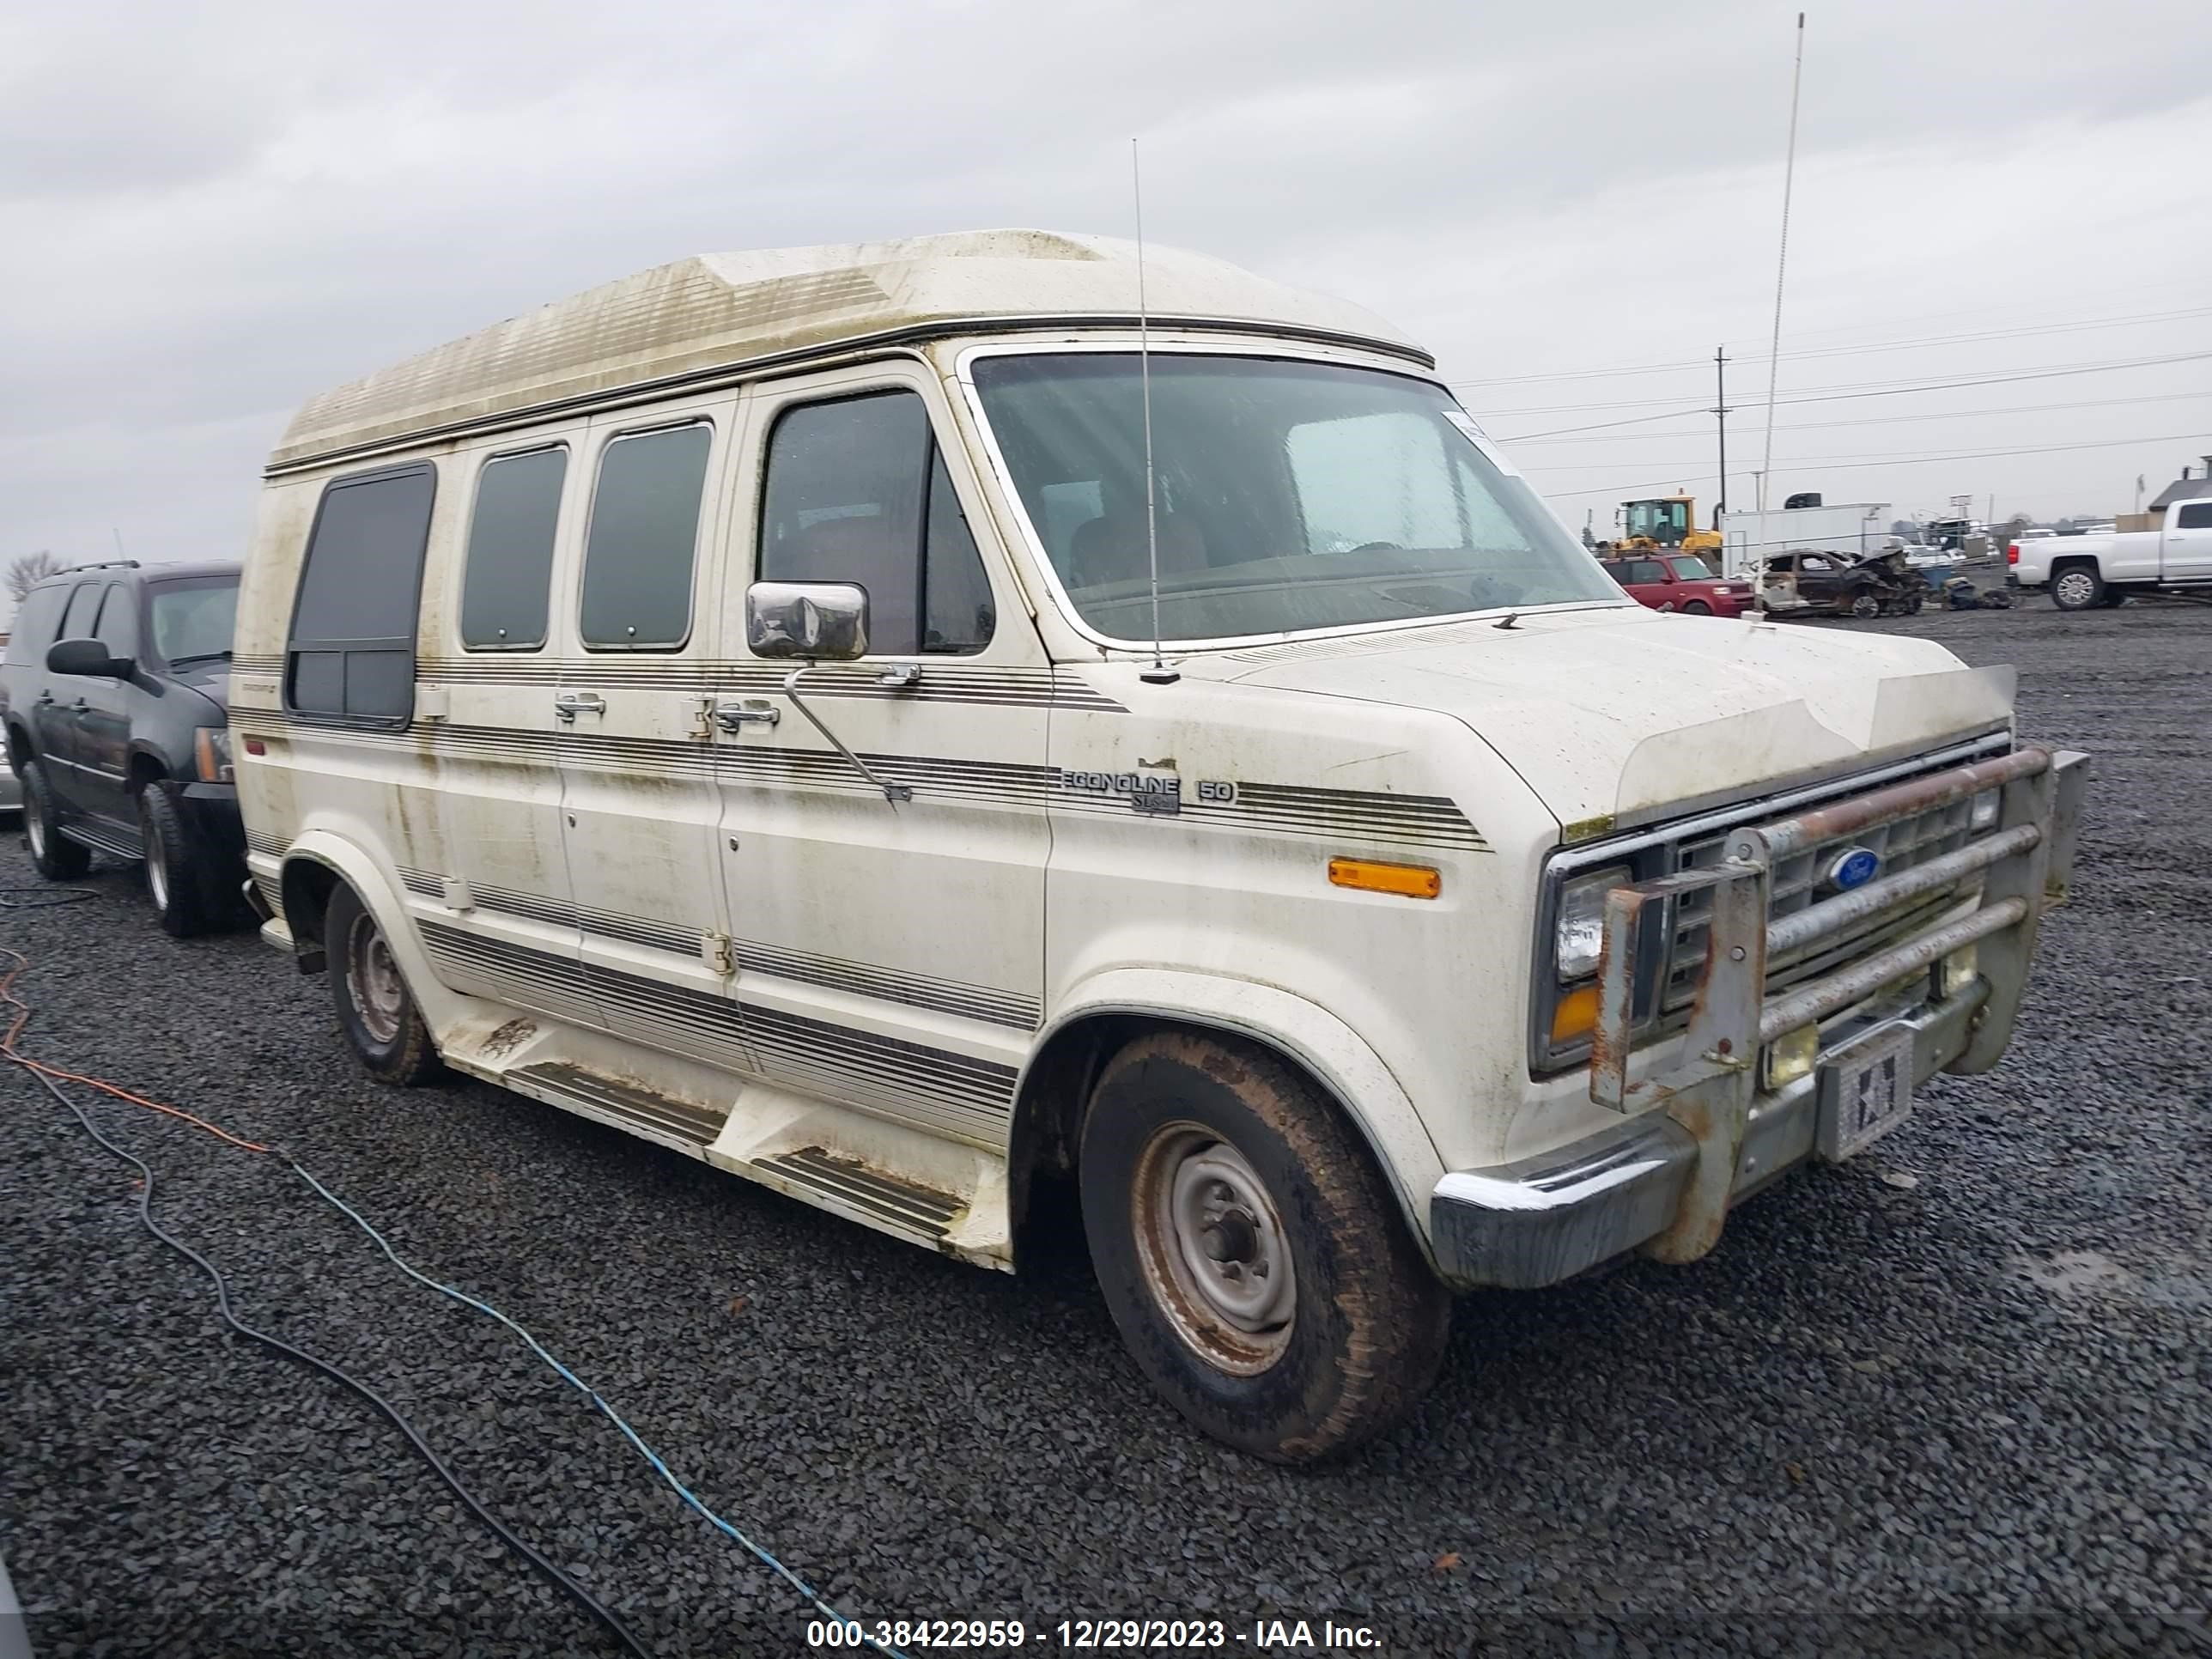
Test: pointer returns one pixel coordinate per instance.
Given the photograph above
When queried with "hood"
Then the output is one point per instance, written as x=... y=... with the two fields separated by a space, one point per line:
x=1617 y=714
x=209 y=676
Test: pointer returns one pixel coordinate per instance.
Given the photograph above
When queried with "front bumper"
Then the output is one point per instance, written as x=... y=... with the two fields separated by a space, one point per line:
x=1523 y=1226
x=1699 y=1137
x=210 y=814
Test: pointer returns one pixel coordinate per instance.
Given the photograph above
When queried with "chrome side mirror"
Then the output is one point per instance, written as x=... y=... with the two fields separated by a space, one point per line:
x=818 y=621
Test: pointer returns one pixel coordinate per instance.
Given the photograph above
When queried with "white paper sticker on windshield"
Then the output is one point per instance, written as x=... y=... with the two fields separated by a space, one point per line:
x=1475 y=436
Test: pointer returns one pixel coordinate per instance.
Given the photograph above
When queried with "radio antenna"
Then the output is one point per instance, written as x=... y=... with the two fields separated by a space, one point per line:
x=1160 y=673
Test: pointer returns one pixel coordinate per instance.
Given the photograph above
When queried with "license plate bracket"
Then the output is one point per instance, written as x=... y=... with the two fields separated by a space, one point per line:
x=1865 y=1093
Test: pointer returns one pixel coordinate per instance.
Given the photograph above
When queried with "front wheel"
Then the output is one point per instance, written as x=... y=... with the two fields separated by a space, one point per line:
x=176 y=879
x=1251 y=1252
x=1696 y=608
x=2077 y=587
x=375 y=1010
x=1866 y=604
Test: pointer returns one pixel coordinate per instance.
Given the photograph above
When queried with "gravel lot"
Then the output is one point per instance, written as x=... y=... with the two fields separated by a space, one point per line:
x=1950 y=1397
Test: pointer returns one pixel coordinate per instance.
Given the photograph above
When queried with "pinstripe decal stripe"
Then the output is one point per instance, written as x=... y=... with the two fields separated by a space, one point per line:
x=1283 y=808
x=953 y=1094
x=979 y=1002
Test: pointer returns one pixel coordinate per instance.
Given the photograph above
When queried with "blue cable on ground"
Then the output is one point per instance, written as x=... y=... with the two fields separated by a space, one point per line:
x=650 y=1455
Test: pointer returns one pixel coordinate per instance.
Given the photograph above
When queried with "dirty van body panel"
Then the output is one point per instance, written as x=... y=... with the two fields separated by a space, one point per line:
x=888 y=953
x=1193 y=828
x=640 y=812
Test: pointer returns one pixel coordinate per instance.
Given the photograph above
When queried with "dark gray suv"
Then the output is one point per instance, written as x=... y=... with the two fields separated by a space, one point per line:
x=115 y=694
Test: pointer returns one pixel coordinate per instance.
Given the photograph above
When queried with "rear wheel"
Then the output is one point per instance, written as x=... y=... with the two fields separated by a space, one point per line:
x=2077 y=587
x=375 y=1009
x=58 y=859
x=1251 y=1252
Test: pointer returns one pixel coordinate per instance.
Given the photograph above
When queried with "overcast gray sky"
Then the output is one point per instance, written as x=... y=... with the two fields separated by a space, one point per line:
x=211 y=212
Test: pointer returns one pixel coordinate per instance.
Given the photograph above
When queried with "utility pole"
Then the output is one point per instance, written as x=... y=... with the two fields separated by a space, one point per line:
x=1721 y=415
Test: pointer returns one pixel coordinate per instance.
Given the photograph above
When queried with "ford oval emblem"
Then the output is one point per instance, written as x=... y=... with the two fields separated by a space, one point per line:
x=1855 y=866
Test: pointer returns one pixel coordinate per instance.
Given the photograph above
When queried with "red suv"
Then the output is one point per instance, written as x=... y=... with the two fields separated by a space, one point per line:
x=1679 y=582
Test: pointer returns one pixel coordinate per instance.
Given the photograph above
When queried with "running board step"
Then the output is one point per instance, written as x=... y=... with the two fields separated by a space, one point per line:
x=919 y=1209
x=655 y=1113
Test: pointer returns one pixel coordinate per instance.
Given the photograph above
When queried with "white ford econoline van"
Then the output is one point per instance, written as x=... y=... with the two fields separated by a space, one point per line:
x=725 y=705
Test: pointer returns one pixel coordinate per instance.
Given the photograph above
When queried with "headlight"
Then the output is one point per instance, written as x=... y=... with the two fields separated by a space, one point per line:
x=1983 y=814
x=211 y=749
x=1579 y=937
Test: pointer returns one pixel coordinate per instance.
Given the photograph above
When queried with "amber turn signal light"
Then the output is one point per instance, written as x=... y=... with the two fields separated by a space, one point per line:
x=1406 y=880
x=1575 y=1015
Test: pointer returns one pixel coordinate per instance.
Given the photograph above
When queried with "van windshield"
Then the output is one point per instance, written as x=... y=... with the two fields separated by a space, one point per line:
x=1288 y=495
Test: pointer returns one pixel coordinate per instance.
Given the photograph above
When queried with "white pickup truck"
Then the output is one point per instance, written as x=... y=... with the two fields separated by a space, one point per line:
x=2083 y=572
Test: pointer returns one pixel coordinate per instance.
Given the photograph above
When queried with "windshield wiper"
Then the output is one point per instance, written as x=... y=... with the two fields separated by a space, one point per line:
x=199 y=656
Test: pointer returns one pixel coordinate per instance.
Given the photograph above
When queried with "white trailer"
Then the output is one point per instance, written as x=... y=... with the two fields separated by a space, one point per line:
x=1851 y=528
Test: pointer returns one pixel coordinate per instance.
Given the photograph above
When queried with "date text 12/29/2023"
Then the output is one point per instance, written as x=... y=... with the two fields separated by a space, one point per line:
x=1092 y=1635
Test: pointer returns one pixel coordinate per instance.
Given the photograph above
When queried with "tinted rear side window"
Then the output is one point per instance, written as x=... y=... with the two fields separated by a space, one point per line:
x=2198 y=517
x=352 y=652
x=644 y=537
x=510 y=559
x=34 y=624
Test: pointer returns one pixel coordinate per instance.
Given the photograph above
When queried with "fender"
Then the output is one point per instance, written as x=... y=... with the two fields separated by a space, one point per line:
x=1337 y=1056
x=383 y=900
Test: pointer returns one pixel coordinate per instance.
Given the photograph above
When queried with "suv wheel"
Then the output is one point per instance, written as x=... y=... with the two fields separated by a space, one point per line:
x=58 y=857
x=176 y=879
x=2077 y=587
x=375 y=1010
x=1251 y=1252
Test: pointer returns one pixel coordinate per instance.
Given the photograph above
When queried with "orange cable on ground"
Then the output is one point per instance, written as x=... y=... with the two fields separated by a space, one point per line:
x=22 y=1018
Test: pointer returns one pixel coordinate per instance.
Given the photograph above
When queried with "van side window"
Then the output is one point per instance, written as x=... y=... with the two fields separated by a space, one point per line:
x=644 y=539
x=2195 y=516
x=509 y=567
x=857 y=491
x=117 y=627
x=352 y=655
x=34 y=624
x=83 y=609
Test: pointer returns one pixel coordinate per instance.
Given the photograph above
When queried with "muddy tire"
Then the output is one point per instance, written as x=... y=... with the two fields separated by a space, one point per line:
x=58 y=857
x=1250 y=1251
x=375 y=1009
x=184 y=901
x=1696 y=608
x=2077 y=587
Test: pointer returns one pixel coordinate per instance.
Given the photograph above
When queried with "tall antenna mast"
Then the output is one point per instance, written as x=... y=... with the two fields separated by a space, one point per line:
x=1160 y=673
x=1782 y=261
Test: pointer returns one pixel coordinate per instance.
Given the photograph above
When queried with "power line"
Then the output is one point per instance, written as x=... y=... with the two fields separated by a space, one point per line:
x=1916 y=460
x=1872 y=420
x=1850 y=389
x=1867 y=348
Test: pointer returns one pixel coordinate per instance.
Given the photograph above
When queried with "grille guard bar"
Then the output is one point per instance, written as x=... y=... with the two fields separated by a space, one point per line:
x=2027 y=862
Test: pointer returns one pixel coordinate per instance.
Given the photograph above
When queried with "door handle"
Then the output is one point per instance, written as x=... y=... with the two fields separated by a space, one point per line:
x=569 y=704
x=45 y=696
x=749 y=711
x=80 y=705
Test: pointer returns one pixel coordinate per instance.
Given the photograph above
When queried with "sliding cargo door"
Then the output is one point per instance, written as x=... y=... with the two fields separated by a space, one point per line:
x=640 y=815
x=491 y=890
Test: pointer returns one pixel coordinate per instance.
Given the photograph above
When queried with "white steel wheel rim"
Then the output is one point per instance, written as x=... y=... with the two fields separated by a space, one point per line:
x=1215 y=1256
x=157 y=873
x=373 y=981
x=2075 y=587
